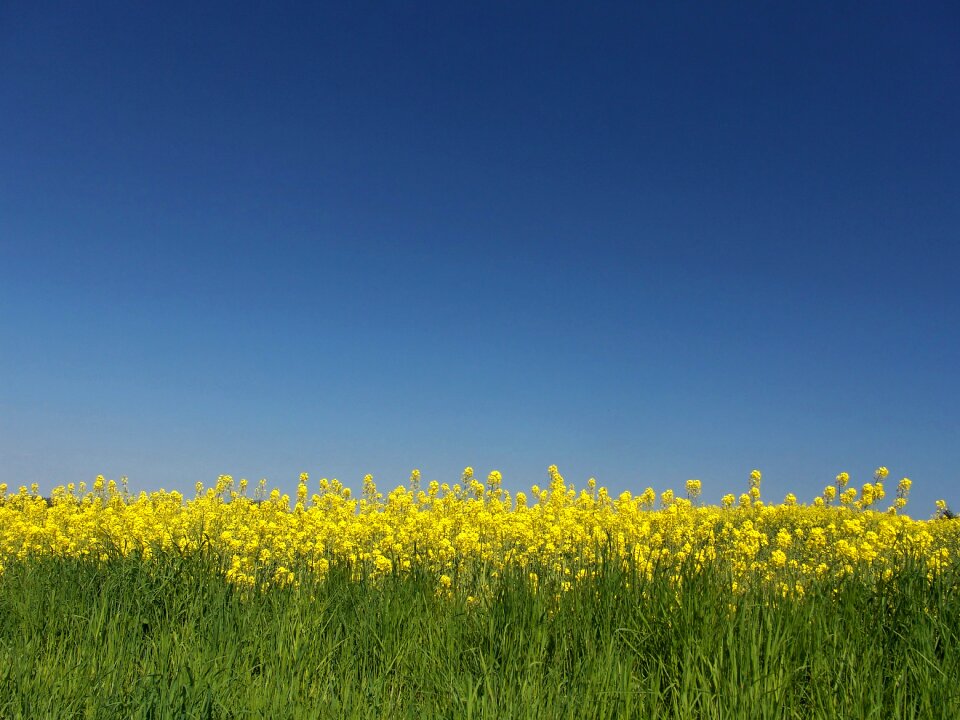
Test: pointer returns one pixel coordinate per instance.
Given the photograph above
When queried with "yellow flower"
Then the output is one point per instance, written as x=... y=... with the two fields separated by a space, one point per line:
x=903 y=487
x=784 y=539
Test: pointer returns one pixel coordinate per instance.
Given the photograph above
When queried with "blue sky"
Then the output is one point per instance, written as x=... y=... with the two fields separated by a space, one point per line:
x=645 y=241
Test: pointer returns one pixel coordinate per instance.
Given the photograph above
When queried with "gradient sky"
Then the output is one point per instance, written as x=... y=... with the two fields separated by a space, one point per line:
x=645 y=241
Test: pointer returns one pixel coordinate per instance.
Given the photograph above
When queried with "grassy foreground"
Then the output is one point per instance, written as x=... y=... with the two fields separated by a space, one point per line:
x=170 y=637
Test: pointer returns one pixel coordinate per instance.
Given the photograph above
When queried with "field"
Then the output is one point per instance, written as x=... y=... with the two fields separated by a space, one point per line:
x=471 y=602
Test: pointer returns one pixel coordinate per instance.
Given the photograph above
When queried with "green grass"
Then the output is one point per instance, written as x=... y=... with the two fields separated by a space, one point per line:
x=169 y=638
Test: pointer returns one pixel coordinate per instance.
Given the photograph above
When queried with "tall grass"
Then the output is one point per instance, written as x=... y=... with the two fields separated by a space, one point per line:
x=170 y=638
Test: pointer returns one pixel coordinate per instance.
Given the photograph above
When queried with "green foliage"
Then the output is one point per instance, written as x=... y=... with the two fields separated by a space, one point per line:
x=170 y=638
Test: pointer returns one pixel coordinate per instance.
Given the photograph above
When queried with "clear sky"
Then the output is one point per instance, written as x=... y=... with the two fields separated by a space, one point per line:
x=644 y=241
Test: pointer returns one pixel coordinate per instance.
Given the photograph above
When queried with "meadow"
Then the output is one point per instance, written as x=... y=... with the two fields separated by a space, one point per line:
x=467 y=601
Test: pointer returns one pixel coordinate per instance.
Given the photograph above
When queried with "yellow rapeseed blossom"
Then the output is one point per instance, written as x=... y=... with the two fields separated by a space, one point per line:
x=555 y=536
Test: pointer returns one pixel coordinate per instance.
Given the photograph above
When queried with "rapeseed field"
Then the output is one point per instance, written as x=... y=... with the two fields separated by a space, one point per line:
x=467 y=600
